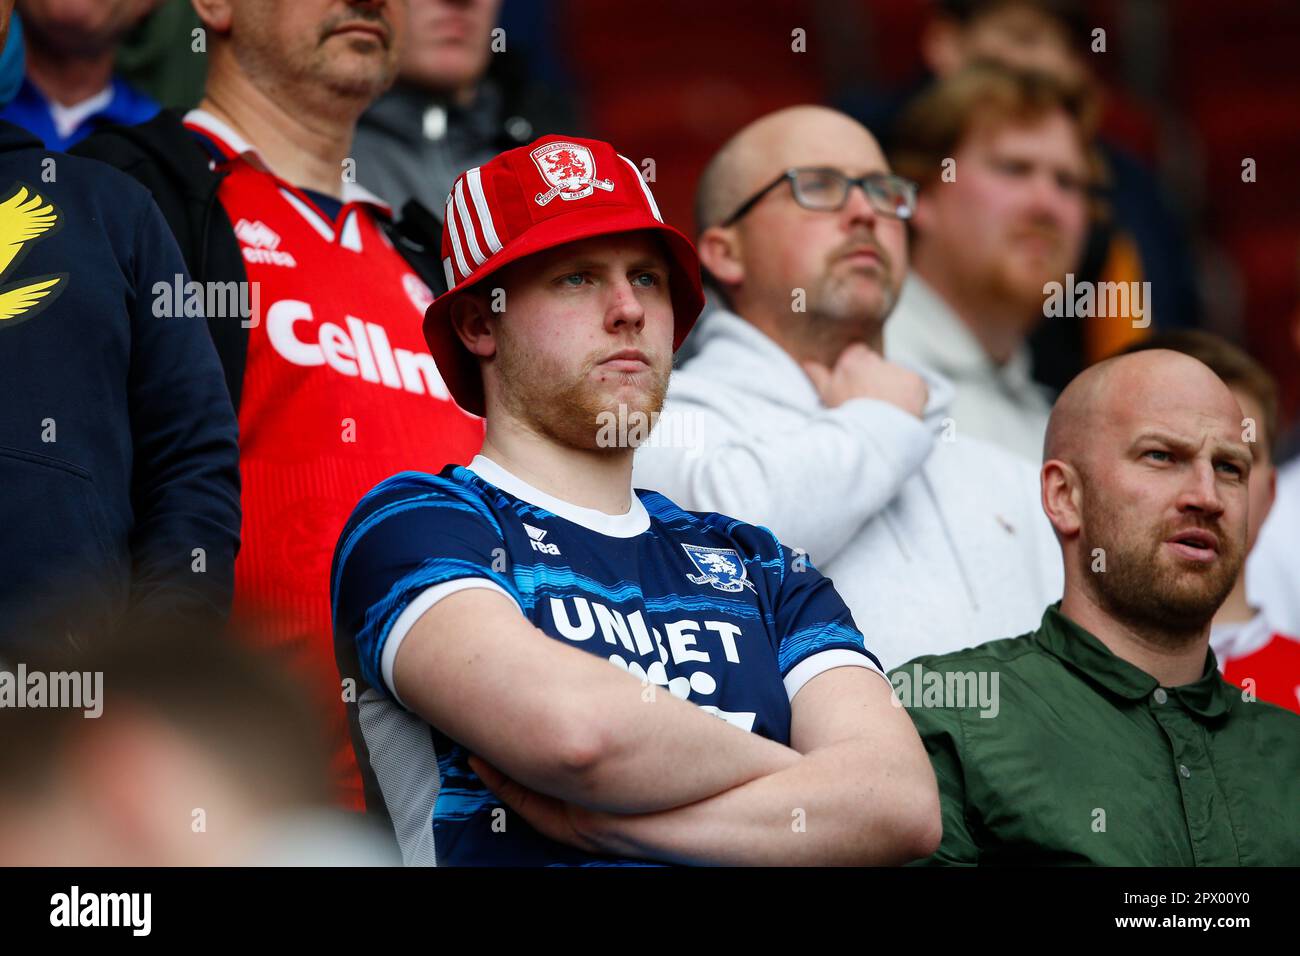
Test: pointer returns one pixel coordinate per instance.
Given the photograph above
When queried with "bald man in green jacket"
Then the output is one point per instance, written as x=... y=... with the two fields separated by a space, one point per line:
x=1107 y=736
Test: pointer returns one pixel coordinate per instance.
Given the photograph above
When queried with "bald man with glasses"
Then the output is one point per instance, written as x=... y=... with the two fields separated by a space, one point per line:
x=787 y=414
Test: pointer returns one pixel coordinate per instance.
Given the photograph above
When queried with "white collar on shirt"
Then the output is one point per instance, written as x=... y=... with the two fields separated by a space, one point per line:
x=628 y=525
x=68 y=118
x=1231 y=641
x=352 y=191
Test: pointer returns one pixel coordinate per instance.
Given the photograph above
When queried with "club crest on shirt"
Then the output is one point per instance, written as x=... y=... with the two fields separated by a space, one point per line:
x=569 y=170
x=720 y=567
x=419 y=294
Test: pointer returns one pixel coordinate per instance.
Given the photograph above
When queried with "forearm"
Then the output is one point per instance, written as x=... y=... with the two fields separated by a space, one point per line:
x=667 y=753
x=836 y=806
x=565 y=722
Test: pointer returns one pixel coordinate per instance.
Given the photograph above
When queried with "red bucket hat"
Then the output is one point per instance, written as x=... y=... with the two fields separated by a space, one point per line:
x=554 y=191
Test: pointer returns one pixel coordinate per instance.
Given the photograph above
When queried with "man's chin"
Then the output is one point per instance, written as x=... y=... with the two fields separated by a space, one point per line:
x=1191 y=596
x=1023 y=283
x=864 y=299
x=358 y=73
x=1171 y=597
x=601 y=418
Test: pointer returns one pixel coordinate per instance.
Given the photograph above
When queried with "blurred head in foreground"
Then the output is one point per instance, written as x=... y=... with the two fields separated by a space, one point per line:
x=164 y=749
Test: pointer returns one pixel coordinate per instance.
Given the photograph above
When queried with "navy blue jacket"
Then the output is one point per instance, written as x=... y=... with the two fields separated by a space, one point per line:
x=119 y=471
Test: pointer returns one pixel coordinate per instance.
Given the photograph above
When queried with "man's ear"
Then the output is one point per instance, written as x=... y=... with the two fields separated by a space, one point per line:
x=719 y=250
x=1062 y=497
x=469 y=317
x=214 y=14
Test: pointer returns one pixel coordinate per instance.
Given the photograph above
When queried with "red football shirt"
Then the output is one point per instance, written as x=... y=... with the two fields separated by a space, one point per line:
x=339 y=393
x=1254 y=656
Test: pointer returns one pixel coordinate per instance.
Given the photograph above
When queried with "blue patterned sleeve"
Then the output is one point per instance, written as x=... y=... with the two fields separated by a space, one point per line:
x=408 y=534
x=815 y=629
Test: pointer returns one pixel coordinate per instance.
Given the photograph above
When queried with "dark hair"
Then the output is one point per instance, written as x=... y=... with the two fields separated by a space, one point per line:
x=1070 y=14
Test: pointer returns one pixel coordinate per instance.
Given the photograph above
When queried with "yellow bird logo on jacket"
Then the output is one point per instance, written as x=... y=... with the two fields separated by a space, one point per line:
x=25 y=218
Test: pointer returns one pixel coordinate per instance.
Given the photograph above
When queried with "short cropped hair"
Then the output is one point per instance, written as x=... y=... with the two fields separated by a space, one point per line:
x=1236 y=368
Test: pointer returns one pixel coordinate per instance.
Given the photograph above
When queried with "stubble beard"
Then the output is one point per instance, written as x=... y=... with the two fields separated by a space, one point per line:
x=836 y=311
x=1144 y=587
x=1021 y=288
x=568 y=407
x=316 y=75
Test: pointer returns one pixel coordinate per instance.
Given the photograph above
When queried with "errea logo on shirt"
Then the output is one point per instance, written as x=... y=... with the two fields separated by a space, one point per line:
x=535 y=539
x=261 y=243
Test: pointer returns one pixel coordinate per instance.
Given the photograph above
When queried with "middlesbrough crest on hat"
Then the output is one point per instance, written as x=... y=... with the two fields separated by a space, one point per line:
x=570 y=171
x=722 y=568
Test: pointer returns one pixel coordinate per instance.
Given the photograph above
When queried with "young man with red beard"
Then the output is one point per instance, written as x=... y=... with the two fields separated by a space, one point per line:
x=1112 y=738
x=1002 y=161
x=479 y=610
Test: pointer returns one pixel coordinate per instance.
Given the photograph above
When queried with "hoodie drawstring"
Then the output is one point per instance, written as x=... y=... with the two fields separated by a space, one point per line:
x=952 y=544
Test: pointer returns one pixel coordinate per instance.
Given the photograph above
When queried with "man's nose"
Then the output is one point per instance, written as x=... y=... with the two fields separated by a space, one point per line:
x=1201 y=492
x=624 y=308
x=858 y=209
x=1048 y=199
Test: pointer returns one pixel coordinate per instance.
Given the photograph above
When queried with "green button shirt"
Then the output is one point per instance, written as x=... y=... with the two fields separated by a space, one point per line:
x=1049 y=749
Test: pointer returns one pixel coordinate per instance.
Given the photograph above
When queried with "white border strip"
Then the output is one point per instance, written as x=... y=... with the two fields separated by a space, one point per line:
x=475 y=180
x=644 y=188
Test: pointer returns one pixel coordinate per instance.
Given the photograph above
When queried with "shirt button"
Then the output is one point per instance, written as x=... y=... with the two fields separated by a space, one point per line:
x=1160 y=695
x=1182 y=769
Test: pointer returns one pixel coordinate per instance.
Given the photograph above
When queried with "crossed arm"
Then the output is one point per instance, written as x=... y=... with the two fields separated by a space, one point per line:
x=578 y=749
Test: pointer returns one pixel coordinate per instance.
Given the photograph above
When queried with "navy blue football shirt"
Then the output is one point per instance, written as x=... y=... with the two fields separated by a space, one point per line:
x=710 y=609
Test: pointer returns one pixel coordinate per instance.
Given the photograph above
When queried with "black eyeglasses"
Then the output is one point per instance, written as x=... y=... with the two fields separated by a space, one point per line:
x=827 y=190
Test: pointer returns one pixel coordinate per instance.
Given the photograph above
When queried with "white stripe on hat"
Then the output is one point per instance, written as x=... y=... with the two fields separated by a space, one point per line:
x=447 y=271
x=455 y=240
x=475 y=180
x=654 y=209
x=471 y=240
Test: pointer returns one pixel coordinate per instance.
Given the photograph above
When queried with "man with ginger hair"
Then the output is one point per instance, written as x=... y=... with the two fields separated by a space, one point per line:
x=1001 y=156
x=1114 y=740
